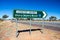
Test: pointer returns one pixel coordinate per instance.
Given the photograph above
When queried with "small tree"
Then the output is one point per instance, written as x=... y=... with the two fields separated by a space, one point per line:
x=29 y=18
x=5 y=16
x=52 y=18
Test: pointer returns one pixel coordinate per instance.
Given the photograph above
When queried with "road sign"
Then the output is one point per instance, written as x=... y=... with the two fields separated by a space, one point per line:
x=28 y=14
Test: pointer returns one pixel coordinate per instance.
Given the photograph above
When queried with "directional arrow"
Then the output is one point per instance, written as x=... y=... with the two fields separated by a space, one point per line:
x=44 y=14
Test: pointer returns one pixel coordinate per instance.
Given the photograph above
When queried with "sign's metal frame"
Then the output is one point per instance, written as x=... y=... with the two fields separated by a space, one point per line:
x=30 y=20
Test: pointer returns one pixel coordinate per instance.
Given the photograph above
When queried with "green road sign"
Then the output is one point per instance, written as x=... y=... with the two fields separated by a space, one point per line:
x=28 y=14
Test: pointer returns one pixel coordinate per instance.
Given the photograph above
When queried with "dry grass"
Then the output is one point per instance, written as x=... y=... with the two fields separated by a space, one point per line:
x=8 y=32
x=1 y=21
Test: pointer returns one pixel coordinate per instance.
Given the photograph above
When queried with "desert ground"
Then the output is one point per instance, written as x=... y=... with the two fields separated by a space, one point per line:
x=8 y=32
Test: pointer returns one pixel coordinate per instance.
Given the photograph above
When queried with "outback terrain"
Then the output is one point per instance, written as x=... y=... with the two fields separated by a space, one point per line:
x=8 y=32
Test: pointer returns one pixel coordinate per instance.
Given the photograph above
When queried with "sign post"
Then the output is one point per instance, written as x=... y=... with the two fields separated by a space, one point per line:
x=42 y=24
x=16 y=28
x=30 y=25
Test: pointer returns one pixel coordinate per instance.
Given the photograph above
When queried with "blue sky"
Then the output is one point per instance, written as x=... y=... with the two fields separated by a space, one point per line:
x=51 y=7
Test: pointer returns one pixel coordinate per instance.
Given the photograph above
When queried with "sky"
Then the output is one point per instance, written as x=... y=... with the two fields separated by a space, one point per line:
x=51 y=7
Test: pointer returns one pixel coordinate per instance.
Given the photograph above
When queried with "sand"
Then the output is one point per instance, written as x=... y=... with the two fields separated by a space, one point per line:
x=8 y=32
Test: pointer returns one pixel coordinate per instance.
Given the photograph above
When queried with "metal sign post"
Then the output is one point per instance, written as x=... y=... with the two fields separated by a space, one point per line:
x=16 y=28
x=30 y=25
x=42 y=24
